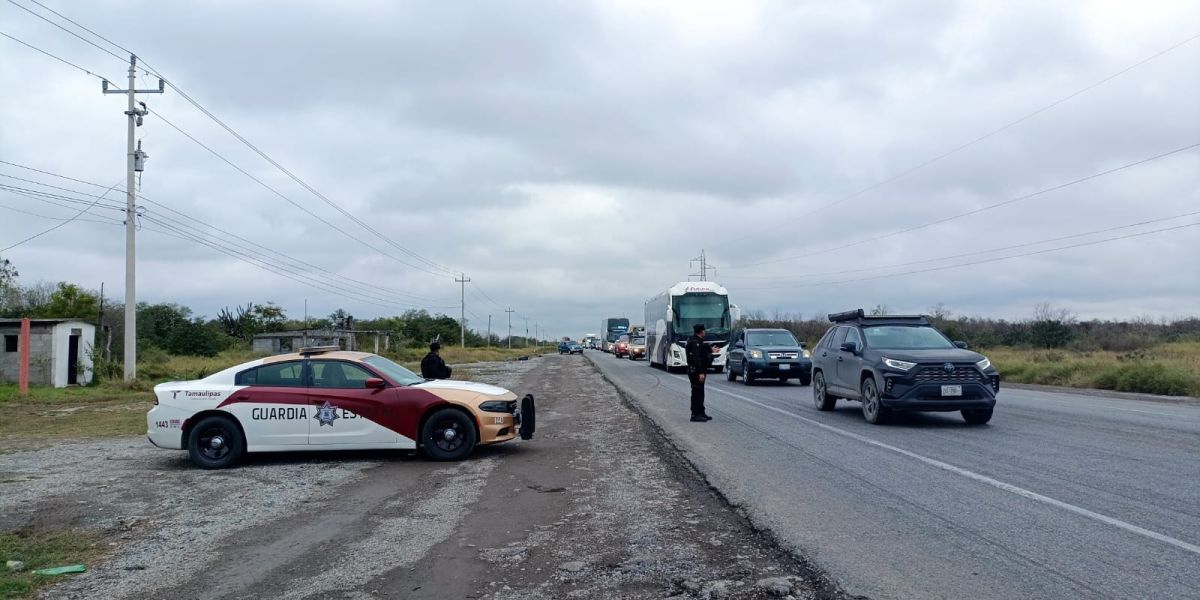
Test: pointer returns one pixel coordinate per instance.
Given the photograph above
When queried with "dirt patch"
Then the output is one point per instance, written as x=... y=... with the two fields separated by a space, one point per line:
x=598 y=505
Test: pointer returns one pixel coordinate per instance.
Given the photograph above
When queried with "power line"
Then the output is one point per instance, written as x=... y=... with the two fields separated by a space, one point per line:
x=302 y=264
x=53 y=218
x=56 y=199
x=979 y=210
x=983 y=261
x=966 y=254
x=69 y=20
x=85 y=40
x=289 y=200
x=998 y=130
x=417 y=257
x=58 y=58
x=44 y=232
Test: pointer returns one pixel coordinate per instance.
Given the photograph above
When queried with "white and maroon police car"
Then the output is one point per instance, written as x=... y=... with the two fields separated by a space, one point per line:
x=326 y=399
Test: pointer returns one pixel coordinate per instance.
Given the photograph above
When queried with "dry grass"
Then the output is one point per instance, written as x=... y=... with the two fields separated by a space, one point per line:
x=1167 y=369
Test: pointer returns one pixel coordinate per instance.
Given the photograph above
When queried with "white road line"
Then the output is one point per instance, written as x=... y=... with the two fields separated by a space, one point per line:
x=1008 y=487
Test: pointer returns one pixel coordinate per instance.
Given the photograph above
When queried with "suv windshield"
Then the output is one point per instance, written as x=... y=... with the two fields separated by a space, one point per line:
x=770 y=338
x=906 y=337
x=394 y=371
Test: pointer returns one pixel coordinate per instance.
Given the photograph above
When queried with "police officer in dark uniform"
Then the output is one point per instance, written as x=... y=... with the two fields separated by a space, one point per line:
x=699 y=359
x=432 y=366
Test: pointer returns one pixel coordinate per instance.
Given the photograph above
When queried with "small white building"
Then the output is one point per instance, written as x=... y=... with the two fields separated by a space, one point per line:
x=60 y=351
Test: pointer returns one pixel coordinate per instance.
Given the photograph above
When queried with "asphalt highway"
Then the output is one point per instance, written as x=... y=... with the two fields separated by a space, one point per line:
x=1060 y=496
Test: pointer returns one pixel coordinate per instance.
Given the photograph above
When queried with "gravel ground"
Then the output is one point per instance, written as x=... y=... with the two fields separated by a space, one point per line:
x=598 y=505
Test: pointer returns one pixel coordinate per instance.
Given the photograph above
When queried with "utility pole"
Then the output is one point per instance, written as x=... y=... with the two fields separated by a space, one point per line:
x=526 y=332
x=133 y=161
x=489 y=337
x=510 y=311
x=704 y=266
x=462 y=322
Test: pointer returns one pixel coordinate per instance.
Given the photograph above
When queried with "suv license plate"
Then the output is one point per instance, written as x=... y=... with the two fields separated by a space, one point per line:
x=784 y=367
x=951 y=390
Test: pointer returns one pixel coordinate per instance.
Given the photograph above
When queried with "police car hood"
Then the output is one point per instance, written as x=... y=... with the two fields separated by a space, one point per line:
x=466 y=386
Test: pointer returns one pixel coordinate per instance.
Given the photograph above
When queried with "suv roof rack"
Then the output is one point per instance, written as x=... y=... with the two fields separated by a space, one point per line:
x=860 y=316
x=310 y=350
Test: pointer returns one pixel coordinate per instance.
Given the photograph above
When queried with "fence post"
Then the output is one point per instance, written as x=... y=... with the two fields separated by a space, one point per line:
x=23 y=370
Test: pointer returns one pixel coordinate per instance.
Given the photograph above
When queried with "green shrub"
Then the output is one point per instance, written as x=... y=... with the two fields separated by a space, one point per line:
x=1148 y=378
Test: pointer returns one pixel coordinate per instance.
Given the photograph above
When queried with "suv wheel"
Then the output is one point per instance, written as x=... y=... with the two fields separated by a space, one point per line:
x=872 y=407
x=747 y=378
x=977 y=416
x=821 y=397
x=730 y=375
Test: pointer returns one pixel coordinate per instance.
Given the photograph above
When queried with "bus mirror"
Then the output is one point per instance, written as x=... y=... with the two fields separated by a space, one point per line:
x=735 y=313
x=670 y=315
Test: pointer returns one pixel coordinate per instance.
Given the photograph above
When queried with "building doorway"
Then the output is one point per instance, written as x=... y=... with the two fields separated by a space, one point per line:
x=73 y=360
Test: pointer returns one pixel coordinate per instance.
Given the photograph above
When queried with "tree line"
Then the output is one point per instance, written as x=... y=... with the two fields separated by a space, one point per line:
x=176 y=329
x=1047 y=327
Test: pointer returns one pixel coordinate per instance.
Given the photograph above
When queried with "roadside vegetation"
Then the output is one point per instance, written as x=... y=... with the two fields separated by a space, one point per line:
x=42 y=549
x=1053 y=347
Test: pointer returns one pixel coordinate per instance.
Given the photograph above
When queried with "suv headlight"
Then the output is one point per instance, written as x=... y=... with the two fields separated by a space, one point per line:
x=756 y=354
x=984 y=364
x=806 y=354
x=902 y=365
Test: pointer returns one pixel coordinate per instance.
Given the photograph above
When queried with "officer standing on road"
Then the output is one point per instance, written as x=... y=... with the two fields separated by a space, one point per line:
x=432 y=366
x=699 y=359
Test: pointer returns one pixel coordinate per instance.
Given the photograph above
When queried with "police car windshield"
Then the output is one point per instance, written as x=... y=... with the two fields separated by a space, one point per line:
x=393 y=371
x=904 y=337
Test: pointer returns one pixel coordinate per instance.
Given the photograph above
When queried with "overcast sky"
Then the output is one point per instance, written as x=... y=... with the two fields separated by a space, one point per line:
x=571 y=157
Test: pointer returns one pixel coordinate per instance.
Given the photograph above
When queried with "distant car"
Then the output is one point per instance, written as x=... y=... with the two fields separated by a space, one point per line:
x=570 y=348
x=620 y=348
x=326 y=399
x=768 y=354
x=637 y=348
x=900 y=363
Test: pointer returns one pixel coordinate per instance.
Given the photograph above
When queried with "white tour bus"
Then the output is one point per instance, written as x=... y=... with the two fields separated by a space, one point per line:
x=671 y=315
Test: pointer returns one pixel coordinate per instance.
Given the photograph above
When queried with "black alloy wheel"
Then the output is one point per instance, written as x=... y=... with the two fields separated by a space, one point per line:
x=747 y=378
x=449 y=434
x=216 y=443
x=821 y=398
x=872 y=406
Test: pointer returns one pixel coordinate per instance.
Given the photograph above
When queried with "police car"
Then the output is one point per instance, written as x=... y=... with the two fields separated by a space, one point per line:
x=327 y=399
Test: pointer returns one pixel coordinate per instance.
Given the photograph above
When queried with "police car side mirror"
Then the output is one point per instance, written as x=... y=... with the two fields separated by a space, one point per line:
x=375 y=382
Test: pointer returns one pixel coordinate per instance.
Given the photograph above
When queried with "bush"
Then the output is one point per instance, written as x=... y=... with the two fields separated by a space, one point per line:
x=1149 y=378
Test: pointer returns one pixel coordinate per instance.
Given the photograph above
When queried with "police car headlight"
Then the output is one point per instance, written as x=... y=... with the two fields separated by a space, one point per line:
x=901 y=365
x=500 y=406
x=984 y=364
x=756 y=354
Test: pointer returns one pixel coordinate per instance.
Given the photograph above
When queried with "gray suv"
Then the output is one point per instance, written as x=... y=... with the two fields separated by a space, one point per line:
x=768 y=354
x=900 y=363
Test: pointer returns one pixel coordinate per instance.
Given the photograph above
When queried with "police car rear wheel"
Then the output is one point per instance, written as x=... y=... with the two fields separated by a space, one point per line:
x=216 y=443
x=448 y=435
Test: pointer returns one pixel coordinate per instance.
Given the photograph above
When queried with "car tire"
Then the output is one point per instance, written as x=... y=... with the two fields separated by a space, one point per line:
x=783 y=380
x=438 y=441
x=805 y=380
x=747 y=378
x=216 y=443
x=731 y=375
x=528 y=417
x=977 y=416
x=718 y=370
x=872 y=405
x=822 y=399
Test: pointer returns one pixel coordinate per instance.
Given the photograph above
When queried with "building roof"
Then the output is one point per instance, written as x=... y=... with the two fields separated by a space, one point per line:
x=300 y=332
x=18 y=321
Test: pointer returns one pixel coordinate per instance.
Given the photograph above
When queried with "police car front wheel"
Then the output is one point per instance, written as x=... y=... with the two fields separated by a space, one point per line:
x=448 y=434
x=216 y=443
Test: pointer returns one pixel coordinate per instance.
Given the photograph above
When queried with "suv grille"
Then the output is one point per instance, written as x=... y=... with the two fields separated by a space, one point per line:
x=960 y=373
x=779 y=355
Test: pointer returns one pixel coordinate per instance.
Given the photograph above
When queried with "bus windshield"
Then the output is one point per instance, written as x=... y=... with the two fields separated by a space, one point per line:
x=710 y=309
